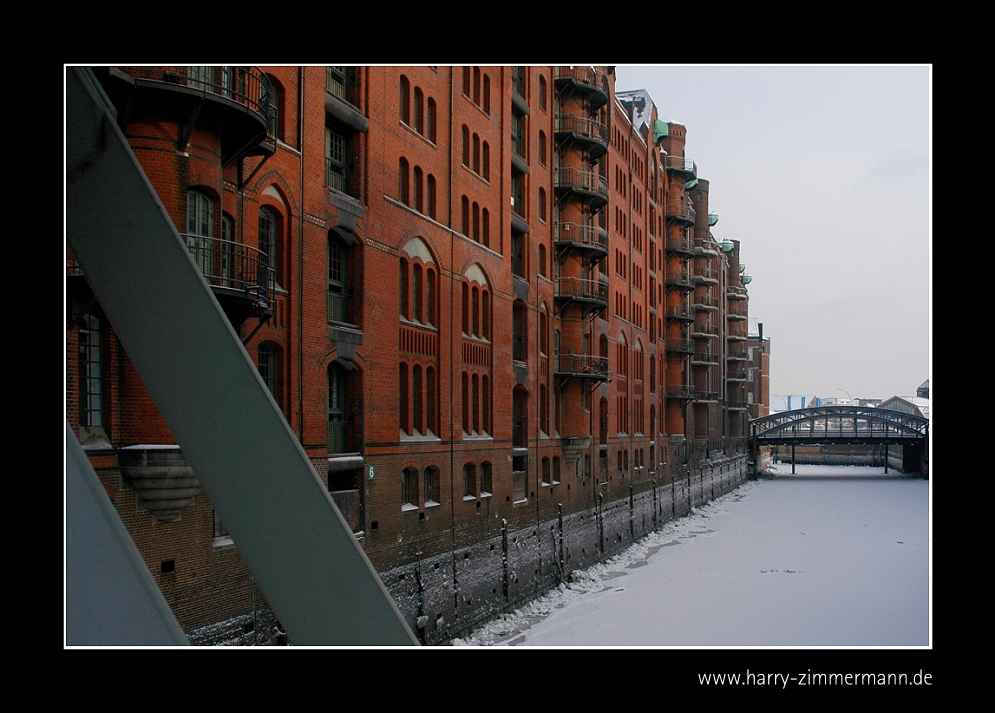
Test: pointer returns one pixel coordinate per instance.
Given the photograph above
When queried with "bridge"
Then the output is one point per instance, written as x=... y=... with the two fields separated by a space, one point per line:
x=864 y=425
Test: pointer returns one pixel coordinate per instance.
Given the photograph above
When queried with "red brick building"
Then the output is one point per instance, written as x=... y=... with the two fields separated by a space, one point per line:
x=486 y=299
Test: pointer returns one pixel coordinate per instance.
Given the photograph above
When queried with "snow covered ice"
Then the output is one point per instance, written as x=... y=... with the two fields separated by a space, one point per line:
x=832 y=556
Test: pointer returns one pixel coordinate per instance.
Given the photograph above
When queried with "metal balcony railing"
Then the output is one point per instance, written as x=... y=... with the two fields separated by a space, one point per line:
x=580 y=74
x=247 y=86
x=680 y=391
x=680 y=209
x=679 y=312
x=580 y=289
x=680 y=244
x=680 y=278
x=588 y=236
x=681 y=164
x=582 y=364
x=706 y=274
x=227 y=264
x=582 y=181
x=682 y=346
x=704 y=301
x=582 y=126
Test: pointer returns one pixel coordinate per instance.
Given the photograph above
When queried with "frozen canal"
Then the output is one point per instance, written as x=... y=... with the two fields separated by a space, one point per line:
x=831 y=556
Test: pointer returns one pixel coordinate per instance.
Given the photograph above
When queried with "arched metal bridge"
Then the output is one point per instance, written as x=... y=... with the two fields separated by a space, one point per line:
x=838 y=424
x=824 y=425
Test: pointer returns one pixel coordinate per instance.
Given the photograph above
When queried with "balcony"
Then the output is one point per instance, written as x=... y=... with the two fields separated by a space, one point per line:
x=576 y=289
x=737 y=312
x=681 y=166
x=587 y=81
x=736 y=354
x=236 y=98
x=737 y=293
x=680 y=346
x=702 y=395
x=679 y=312
x=238 y=274
x=704 y=331
x=680 y=245
x=680 y=391
x=705 y=358
x=679 y=210
x=589 y=238
x=590 y=133
x=706 y=248
x=584 y=366
x=736 y=373
x=706 y=276
x=585 y=184
x=341 y=100
x=704 y=303
x=680 y=279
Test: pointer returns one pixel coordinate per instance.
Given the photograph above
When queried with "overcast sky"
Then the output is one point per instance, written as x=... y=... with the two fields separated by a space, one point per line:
x=823 y=175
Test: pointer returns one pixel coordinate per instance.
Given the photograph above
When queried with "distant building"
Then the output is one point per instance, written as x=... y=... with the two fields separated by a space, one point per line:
x=758 y=372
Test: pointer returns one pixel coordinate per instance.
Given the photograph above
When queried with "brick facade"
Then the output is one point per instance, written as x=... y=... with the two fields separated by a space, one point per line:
x=477 y=295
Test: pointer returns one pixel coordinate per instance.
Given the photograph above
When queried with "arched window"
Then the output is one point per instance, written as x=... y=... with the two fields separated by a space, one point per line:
x=433 y=487
x=402 y=398
x=430 y=196
x=409 y=489
x=486 y=166
x=542 y=92
x=200 y=229
x=405 y=100
x=419 y=187
x=419 y=111
x=269 y=238
x=542 y=147
x=404 y=192
x=466 y=145
x=430 y=121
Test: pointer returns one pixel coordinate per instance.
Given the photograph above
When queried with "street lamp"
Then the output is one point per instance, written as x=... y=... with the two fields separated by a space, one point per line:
x=847 y=394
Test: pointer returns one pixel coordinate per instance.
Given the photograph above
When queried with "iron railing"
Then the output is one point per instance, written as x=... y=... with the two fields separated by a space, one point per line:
x=247 y=86
x=583 y=235
x=582 y=181
x=582 y=126
x=581 y=289
x=231 y=265
x=577 y=364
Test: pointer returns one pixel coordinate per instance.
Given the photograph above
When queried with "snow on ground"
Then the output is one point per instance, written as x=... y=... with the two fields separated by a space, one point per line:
x=832 y=556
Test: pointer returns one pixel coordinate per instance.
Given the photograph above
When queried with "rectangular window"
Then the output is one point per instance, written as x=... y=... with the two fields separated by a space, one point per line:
x=90 y=379
x=336 y=160
x=409 y=489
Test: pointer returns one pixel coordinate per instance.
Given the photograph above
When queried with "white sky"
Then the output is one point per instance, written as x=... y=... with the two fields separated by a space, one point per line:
x=823 y=174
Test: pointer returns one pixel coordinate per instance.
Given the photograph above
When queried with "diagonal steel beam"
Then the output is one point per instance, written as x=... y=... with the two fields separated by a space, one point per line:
x=300 y=549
